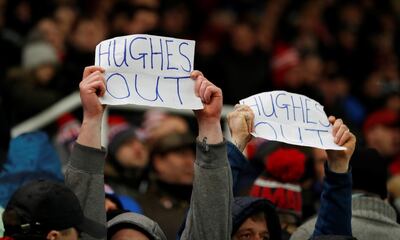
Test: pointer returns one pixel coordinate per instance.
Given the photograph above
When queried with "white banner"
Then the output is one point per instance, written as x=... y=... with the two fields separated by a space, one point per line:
x=148 y=70
x=291 y=118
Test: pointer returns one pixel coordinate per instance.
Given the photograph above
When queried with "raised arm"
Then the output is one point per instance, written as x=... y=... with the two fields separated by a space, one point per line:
x=334 y=217
x=91 y=87
x=85 y=171
x=209 y=215
x=240 y=122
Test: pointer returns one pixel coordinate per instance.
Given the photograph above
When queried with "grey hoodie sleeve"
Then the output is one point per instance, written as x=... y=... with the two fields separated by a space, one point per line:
x=85 y=177
x=210 y=213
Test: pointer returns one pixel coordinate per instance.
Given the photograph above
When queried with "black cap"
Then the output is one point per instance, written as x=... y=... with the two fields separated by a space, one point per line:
x=43 y=205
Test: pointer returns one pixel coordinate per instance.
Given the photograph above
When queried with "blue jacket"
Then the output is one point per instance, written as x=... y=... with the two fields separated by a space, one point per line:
x=334 y=217
x=30 y=156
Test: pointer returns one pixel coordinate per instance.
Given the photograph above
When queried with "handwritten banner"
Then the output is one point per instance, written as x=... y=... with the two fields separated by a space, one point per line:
x=291 y=118
x=148 y=70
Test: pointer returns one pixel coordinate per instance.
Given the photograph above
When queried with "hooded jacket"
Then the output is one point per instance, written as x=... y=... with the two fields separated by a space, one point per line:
x=137 y=221
x=244 y=207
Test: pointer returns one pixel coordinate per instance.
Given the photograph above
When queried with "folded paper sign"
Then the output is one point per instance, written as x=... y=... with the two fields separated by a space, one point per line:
x=291 y=118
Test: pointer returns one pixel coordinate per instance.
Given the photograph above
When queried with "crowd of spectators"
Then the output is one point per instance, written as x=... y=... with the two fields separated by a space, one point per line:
x=344 y=54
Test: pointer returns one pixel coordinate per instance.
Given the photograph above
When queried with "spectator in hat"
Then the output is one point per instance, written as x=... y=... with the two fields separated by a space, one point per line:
x=254 y=217
x=168 y=196
x=67 y=133
x=128 y=156
x=209 y=216
x=38 y=84
x=280 y=183
x=59 y=210
x=336 y=196
x=47 y=210
x=381 y=131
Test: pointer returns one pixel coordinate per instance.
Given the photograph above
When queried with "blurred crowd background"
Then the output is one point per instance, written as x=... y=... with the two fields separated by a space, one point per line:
x=344 y=54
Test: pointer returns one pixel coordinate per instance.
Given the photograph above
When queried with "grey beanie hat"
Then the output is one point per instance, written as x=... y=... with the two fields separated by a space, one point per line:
x=37 y=53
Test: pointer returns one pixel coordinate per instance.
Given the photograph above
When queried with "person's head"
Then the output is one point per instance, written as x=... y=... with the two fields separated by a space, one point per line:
x=381 y=131
x=158 y=124
x=142 y=20
x=122 y=225
x=87 y=34
x=244 y=38
x=44 y=209
x=50 y=31
x=175 y=19
x=65 y=17
x=254 y=218
x=172 y=159
x=285 y=168
x=254 y=227
x=126 y=149
x=40 y=58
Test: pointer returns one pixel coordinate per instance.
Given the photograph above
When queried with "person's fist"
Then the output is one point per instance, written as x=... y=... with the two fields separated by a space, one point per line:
x=240 y=122
x=211 y=97
x=91 y=88
x=338 y=160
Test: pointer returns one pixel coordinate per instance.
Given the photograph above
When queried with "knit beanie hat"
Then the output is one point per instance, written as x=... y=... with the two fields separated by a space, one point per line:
x=285 y=58
x=120 y=131
x=38 y=53
x=284 y=167
x=383 y=117
x=68 y=128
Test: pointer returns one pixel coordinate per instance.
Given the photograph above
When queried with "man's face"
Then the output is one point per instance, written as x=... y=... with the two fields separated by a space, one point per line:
x=133 y=154
x=128 y=234
x=384 y=139
x=252 y=230
x=175 y=167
